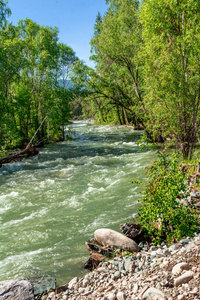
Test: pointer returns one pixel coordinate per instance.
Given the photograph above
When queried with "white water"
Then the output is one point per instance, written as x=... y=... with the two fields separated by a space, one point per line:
x=51 y=204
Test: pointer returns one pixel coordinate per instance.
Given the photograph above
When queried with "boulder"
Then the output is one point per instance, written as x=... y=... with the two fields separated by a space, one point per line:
x=108 y=237
x=16 y=289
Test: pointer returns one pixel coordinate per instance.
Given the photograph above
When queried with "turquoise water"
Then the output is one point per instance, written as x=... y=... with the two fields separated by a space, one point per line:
x=51 y=204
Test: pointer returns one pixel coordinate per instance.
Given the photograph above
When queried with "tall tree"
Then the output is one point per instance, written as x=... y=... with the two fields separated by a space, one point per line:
x=171 y=33
x=116 y=45
x=4 y=12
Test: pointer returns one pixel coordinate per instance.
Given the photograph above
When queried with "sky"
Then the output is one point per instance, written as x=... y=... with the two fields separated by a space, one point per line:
x=75 y=20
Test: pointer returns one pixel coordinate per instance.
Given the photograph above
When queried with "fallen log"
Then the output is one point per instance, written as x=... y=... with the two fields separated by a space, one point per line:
x=18 y=156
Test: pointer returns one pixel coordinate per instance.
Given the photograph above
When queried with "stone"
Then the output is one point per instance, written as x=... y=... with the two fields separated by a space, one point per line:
x=127 y=264
x=153 y=293
x=167 y=252
x=185 y=241
x=43 y=284
x=132 y=267
x=135 y=288
x=180 y=267
x=72 y=282
x=141 y=245
x=16 y=289
x=121 y=296
x=110 y=296
x=117 y=275
x=196 y=195
x=186 y=277
x=81 y=290
x=181 y=297
x=108 y=237
x=85 y=283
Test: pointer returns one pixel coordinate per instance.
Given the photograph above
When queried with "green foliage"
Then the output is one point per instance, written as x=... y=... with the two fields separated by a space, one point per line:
x=171 y=54
x=32 y=102
x=4 y=12
x=162 y=215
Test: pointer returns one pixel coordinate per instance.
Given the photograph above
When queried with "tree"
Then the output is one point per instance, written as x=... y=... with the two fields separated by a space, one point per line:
x=171 y=35
x=32 y=102
x=4 y=12
x=116 y=45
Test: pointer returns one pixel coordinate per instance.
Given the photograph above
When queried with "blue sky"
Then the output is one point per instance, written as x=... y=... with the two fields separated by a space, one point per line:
x=74 y=18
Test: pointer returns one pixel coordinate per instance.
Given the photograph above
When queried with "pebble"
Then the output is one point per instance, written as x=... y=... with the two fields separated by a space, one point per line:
x=121 y=296
x=72 y=282
x=117 y=274
x=186 y=277
x=110 y=296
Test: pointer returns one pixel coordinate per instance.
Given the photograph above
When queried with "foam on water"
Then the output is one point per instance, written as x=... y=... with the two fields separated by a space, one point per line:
x=34 y=215
x=47 y=182
x=12 y=194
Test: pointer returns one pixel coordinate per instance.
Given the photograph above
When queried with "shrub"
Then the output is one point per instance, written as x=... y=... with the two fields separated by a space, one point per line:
x=162 y=215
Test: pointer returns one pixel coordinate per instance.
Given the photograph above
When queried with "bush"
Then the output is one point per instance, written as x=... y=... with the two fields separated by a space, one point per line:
x=162 y=215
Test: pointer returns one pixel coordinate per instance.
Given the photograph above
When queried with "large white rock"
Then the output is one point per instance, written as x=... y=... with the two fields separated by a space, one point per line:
x=16 y=290
x=180 y=267
x=108 y=237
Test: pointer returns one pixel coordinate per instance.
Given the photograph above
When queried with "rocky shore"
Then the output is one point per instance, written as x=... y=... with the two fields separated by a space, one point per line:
x=154 y=273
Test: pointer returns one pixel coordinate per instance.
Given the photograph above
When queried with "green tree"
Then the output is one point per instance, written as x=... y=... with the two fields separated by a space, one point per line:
x=4 y=12
x=171 y=34
x=117 y=82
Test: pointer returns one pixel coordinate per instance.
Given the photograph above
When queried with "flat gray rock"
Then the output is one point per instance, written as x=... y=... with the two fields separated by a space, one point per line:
x=109 y=237
x=43 y=284
x=16 y=290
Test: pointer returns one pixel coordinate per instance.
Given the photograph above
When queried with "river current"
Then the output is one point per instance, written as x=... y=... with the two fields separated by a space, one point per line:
x=51 y=204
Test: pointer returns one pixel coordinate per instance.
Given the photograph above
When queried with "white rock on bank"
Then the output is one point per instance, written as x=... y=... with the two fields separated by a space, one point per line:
x=72 y=282
x=108 y=237
x=121 y=296
x=180 y=267
x=110 y=296
x=153 y=293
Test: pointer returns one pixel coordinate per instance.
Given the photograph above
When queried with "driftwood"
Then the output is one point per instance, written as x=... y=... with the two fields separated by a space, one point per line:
x=30 y=150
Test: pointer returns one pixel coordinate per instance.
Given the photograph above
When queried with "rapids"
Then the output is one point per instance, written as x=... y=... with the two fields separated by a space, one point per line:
x=51 y=204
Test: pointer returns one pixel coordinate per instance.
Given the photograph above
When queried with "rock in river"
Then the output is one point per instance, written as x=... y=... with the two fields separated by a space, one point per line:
x=108 y=237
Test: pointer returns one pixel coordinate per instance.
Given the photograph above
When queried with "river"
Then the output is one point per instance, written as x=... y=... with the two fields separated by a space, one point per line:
x=51 y=204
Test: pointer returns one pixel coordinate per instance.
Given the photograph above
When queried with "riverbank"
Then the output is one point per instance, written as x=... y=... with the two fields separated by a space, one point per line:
x=154 y=273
